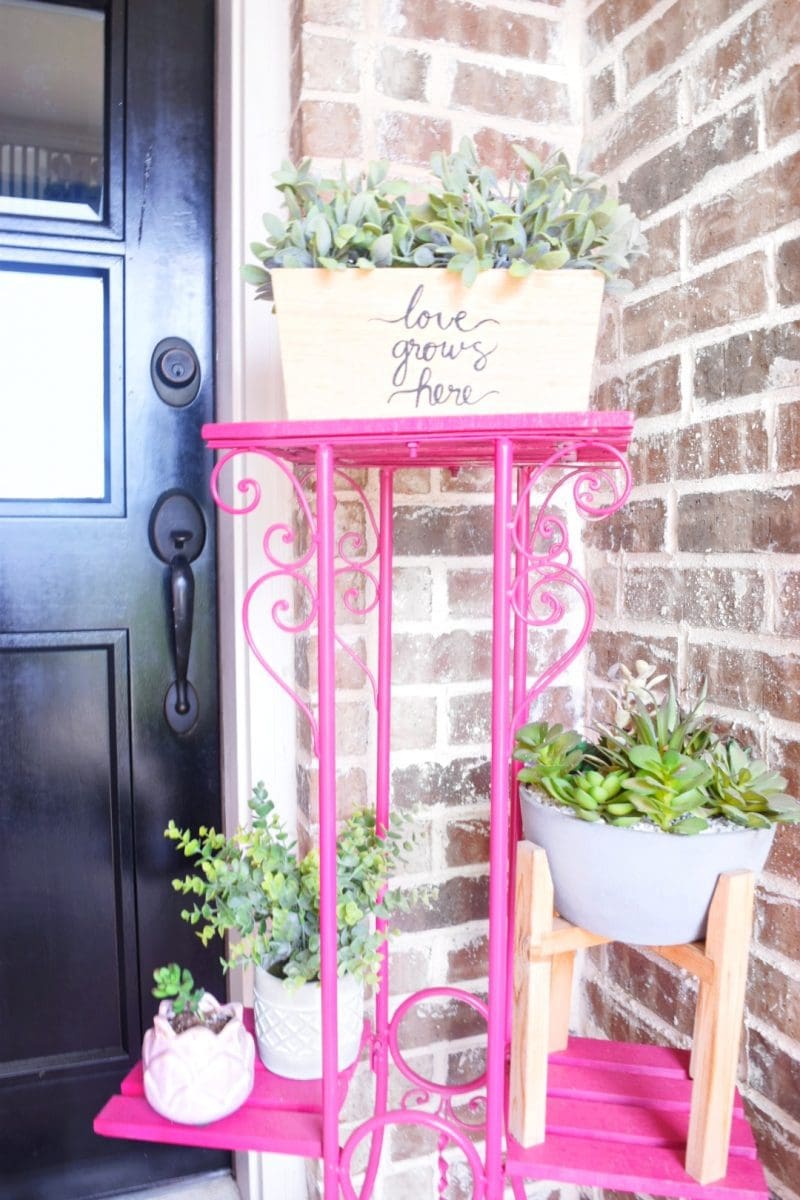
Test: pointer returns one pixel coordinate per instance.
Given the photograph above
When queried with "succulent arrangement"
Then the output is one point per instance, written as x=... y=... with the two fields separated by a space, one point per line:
x=657 y=763
x=548 y=218
x=254 y=884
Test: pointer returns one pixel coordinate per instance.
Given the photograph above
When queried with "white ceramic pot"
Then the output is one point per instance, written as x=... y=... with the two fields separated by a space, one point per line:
x=289 y=1024
x=198 y=1076
x=646 y=888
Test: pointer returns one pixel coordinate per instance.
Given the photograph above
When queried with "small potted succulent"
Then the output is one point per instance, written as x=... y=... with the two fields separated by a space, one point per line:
x=254 y=884
x=197 y=1058
x=496 y=307
x=639 y=822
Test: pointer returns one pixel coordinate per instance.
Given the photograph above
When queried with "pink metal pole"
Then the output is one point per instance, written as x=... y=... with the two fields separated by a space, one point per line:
x=327 y=819
x=380 y=1051
x=520 y=686
x=498 y=845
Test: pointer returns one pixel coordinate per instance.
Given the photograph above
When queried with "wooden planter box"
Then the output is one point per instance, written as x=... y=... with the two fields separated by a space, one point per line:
x=413 y=343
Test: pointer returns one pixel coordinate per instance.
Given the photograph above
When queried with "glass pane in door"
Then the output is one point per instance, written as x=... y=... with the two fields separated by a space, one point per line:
x=52 y=87
x=53 y=412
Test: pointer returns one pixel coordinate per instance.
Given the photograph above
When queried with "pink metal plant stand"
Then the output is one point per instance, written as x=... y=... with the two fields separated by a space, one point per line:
x=542 y=463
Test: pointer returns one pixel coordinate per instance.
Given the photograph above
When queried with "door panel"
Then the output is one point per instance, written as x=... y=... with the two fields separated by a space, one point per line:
x=91 y=771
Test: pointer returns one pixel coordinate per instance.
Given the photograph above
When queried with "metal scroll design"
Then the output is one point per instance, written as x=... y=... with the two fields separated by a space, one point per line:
x=546 y=578
x=290 y=551
x=355 y=557
x=452 y=1111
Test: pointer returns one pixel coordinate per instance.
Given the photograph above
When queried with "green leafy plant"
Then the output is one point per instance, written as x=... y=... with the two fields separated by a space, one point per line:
x=658 y=762
x=252 y=883
x=548 y=218
x=177 y=984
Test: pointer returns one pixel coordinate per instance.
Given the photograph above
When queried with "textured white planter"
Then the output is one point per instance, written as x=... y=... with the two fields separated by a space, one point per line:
x=646 y=888
x=198 y=1076
x=289 y=1024
x=416 y=342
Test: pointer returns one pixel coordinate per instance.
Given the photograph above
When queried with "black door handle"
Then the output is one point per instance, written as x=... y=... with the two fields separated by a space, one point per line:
x=177 y=536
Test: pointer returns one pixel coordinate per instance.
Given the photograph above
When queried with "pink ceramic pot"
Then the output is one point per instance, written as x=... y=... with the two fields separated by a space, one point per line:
x=197 y=1076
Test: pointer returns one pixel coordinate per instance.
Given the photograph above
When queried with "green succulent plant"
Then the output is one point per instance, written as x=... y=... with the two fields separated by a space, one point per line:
x=658 y=763
x=254 y=884
x=176 y=983
x=549 y=218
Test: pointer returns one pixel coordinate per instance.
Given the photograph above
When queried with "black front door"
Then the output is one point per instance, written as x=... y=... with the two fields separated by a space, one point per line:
x=106 y=138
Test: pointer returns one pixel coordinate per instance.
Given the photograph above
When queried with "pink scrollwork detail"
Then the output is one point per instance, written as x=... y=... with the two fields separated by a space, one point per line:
x=600 y=483
x=291 y=616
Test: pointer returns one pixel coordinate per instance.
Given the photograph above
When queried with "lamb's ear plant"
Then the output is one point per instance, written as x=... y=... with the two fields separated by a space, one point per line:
x=253 y=884
x=546 y=218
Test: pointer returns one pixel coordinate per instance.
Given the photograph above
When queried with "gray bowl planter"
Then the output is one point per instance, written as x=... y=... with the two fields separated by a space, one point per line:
x=629 y=885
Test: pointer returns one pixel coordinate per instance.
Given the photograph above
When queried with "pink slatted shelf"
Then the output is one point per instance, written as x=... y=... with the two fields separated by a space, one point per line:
x=433 y=441
x=617 y=1117
x=283 y=1116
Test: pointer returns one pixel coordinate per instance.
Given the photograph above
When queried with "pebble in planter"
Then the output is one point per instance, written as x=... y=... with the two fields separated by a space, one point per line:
x=639 y=824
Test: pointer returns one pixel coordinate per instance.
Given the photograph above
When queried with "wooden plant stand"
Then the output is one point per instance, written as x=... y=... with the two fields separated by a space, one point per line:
x=544 y=950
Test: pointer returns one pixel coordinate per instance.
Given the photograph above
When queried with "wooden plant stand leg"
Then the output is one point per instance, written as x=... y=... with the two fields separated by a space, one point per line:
x=530 y=1033
x=718 y=1026
x=561 y=971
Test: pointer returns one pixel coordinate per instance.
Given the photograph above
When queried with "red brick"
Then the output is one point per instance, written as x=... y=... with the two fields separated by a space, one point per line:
x=653 y=594
x=788 y=436
x=740 y=521
x=467 y=842
x=784 y=857
x=723 y=598
x=483 y=27
x=411 y=137
x=414 y=723
x=453 y=657
x=727 y=294
x=469 y=719
x=782 y=103
x=673 y=172
x=410 y=968
x=468 y=961
x=773 y=997
x=749 y=363
x=352 y=727
x=329 y=129
x=602 y=92
x=742 y=54
x=351 y=793
x=609 y=396
x=348 y=673
x=787 y=271
x=664 y=991
x=637 y=528
x=332 y=12
x=662 y=43
x=778 y=1147
x=402 y=74
x=785 y=757
x=465 y=1066
x=462 y=781
x=613 y=18
x=772 y=1072
x=462 y=530
x=496 y=149
x=468 y=479
x=411 y=593
x=509 y=94
x=641 y=124
x=663 y=252
x=608 y=648
x=727 y=446
x=787 y=606
x=461 y=899
x=656 y=389
x=650 y=458
x=330 y=63
x=469 y=592
x=608 y=335
x=616 y=1019
x=755 y=206
x=748 y=679
x=412 y=481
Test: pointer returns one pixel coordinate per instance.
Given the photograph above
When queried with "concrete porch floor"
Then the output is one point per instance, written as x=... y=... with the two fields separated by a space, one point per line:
x=203 y=1187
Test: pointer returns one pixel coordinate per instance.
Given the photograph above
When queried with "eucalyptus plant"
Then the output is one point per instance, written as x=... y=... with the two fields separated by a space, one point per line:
x=254 y=884
x=547 y=218
x=658 y=763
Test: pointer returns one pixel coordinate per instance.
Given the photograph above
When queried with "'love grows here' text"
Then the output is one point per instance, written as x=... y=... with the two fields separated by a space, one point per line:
x=431 y=342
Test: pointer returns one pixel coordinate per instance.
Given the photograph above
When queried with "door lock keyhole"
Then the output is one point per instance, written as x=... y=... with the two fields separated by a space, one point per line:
x=175 y=372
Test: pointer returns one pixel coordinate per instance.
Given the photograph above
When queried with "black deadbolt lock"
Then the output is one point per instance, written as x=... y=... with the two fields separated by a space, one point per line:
x=175 y=372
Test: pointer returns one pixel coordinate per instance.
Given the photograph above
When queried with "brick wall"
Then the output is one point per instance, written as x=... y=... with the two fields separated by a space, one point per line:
x=693 y=108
